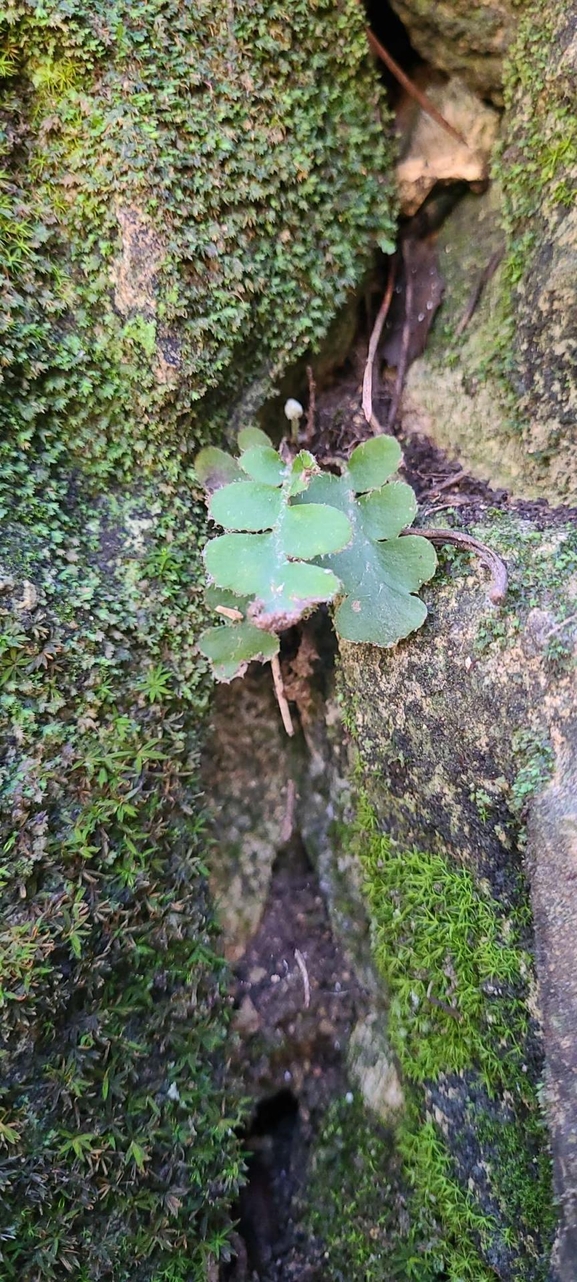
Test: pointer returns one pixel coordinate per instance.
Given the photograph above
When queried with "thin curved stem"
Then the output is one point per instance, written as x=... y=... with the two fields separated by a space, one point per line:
x=493 y=562
x=372 y=352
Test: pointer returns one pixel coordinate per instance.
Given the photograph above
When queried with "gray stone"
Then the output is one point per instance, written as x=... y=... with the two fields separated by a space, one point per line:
x=553 y=866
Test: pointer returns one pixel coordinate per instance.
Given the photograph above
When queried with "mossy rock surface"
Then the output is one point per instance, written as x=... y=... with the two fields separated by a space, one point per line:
x=459 y=730
x=112 y=1008
x=501 y=395
x=456 y=391
x=539 y=167
x=187 y=194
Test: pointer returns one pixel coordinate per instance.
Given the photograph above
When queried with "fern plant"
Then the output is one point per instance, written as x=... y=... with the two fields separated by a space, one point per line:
x=297 y=536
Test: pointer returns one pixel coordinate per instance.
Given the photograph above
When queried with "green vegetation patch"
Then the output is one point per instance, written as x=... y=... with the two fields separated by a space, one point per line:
x=473 y=1142
x=187 y=194
x=118 y=1155
x=441 y=946
x=353 y=1204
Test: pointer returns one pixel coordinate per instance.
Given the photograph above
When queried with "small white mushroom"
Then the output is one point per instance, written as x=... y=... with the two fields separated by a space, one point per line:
x=293 y=410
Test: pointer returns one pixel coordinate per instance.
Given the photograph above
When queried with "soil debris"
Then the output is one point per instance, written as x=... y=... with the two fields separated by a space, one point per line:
x=297 y=1004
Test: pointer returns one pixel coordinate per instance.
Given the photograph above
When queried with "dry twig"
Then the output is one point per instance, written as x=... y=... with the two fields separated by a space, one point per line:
x=447 y=484
x=404 y=356
x=558 y=627
x=310 y=423
x=300 y=961
x=486 y=275
x=417 y=94
x=289 y=814
x=370 y=416
x=280 y=695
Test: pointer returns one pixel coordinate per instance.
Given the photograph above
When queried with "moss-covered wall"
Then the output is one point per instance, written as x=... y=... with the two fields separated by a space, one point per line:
x=187 y=192
x=457 y=730
x=461 y=1187
x=116 y=1124
x=538 y=164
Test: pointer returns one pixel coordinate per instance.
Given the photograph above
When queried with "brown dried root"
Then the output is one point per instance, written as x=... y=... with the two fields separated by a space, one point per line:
x=370 y=416
x=280 y=695
x=493 y=562
x=310 y=423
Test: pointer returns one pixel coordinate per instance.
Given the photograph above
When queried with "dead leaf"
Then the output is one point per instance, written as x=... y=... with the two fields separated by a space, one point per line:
x=420 y=258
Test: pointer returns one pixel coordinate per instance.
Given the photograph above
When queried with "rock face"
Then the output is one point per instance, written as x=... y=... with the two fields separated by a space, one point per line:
x=502 y=393
x=553 y=857
x=453 y=393
x=539 y=168
x=467 y=40
x=460 y=392
x=458 y=730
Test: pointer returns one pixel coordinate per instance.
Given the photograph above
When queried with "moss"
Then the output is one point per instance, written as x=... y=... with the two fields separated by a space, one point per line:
x=112 y=997
x=353 y=1200
x=187 y=194
x=430 y=919
x=473 y=1141
x=200 y=193
x=535 y=759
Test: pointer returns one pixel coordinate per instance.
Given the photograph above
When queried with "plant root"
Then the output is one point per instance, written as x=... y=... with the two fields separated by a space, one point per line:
x=280 y=696
x=493 y=562
x=368 y=412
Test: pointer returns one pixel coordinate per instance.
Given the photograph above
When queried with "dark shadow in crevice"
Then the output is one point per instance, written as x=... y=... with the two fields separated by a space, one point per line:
x=389 y=29
x=265 y=1200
